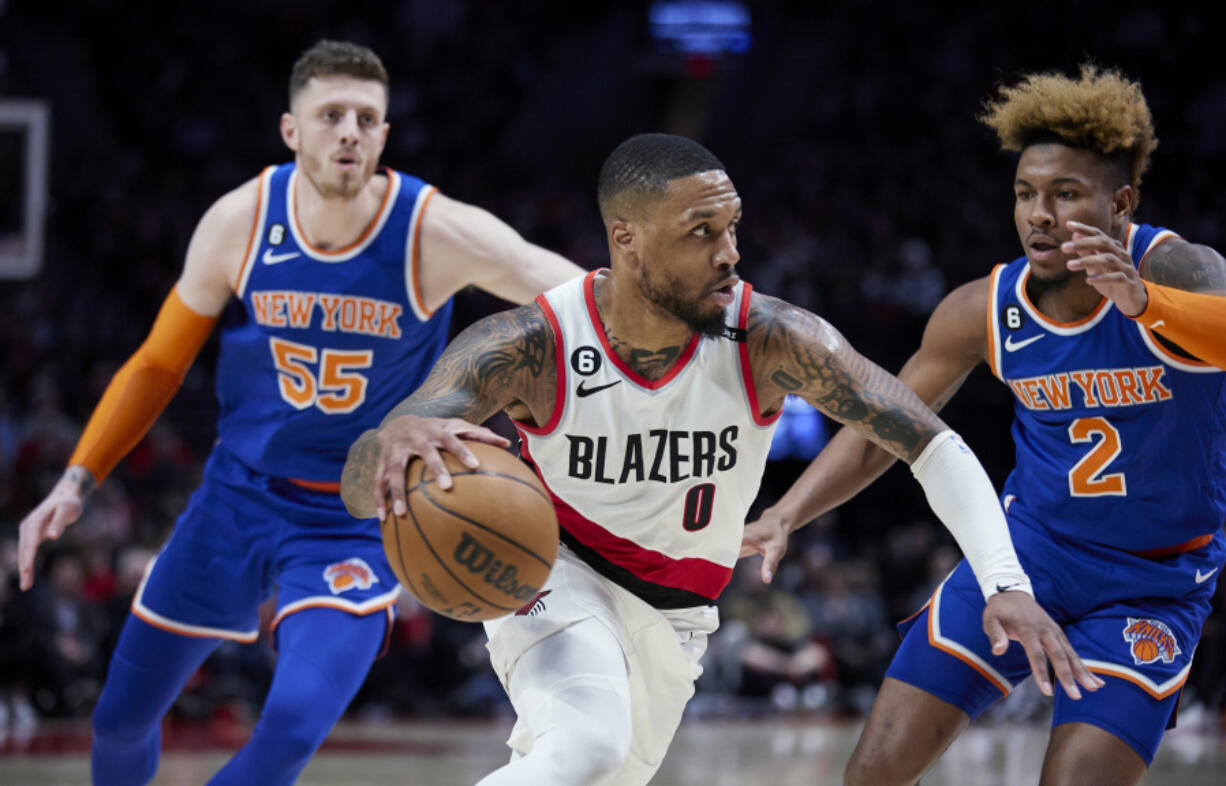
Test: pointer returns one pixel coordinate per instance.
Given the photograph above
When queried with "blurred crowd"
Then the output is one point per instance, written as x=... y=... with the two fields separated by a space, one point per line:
x=869 y=192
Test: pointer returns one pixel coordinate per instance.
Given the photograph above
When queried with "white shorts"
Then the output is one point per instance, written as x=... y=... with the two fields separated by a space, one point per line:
x=662 y=649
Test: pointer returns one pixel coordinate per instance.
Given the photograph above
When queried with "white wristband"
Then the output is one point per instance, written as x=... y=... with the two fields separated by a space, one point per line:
x=960 y=493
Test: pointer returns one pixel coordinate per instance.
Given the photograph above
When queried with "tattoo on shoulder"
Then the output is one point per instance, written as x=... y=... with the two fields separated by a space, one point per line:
x=801 y=354
x=501 y=358
x=1183 y=265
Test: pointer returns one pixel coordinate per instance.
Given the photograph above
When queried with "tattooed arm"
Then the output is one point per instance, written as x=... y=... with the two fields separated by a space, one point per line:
x=793 y=351
x=1178 y=264
x=1185 y=298
x=796 y=352
x=1179 y=291
x=505 y=361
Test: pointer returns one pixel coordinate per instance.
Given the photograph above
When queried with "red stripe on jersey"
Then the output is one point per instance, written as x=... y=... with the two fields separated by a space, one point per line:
x=742 y=322
x=589 y=296
x=692 y=574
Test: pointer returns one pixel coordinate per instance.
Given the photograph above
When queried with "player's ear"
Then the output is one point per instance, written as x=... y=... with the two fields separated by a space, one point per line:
x=1123 y=202
x=622 y=235
x=289 y=131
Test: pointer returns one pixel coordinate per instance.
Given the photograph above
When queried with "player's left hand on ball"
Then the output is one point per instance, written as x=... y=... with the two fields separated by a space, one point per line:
x=1016 y=615
x=1108 y=267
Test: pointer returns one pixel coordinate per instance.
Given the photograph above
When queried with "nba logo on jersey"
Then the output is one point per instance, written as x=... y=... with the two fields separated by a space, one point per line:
x=353 y=573
x=1150 y=640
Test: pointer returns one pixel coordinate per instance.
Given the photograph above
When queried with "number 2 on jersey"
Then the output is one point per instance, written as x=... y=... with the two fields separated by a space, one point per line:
x=1085 y=479
x=336 y=390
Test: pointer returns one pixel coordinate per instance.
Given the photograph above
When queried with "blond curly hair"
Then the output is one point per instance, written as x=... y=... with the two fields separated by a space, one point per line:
x=1103 y=111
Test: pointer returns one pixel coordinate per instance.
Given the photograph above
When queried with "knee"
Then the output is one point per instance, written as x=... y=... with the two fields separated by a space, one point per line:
x=289 y=736
x=585 y=755
x=117 y=719
x=869 y=769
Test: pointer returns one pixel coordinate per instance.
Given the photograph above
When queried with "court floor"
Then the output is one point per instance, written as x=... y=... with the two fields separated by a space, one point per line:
x=705 y=753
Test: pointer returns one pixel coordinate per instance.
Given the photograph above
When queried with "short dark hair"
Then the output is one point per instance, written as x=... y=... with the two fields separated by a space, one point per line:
x=643 y=165
x=336 y=58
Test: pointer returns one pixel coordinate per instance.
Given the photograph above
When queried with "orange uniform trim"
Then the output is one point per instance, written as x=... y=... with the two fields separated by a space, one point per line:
x=1193 y=320
x=242 y=638
x=388 y=608
x=915 y=614
x=1126 y=675
x=936 y=643
x=415 y=278
x=1171 y=551
x=993 y=338
x=255 y=224
x=142 y=388
x=374 y=222
x=326 y=486
x=1048 y=320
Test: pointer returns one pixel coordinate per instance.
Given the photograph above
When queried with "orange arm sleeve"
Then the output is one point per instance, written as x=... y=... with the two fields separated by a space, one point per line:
x=1193 y=320
x=142 y=388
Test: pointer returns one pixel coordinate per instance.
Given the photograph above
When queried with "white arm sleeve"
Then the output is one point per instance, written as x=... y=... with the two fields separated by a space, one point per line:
x=960 y=493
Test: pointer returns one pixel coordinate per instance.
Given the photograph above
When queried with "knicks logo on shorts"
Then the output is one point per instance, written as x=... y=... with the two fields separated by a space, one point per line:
x=1150 y=641
x=353 y=573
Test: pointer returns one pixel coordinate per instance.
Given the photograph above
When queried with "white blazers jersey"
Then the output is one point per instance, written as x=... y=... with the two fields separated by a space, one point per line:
x=651 y=479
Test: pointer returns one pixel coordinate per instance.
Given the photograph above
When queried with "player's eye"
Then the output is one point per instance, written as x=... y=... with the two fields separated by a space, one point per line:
x=701 y=231
x=1067 y=194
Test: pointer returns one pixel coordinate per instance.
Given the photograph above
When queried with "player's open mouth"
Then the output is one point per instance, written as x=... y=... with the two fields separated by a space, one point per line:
x=347 y=162
x=723 y=295
x=1042 y=248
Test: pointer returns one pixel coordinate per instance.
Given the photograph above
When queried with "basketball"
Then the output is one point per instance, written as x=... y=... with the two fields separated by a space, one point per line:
x=479 y=550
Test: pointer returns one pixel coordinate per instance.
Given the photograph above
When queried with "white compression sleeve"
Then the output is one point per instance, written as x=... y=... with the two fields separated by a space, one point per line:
x=960 y=493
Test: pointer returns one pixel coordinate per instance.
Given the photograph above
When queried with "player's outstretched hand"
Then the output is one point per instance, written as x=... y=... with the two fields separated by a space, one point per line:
x=402 y=438
x=767 y=536
x=48 y=521
x=1015 y=615
x=1108 y=267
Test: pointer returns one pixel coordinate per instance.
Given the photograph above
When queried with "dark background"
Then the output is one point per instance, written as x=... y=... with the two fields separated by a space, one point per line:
x=869 y=191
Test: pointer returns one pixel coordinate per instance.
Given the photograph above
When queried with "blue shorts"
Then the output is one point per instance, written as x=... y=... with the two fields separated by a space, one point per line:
x=1133 y=621
x=246 y=537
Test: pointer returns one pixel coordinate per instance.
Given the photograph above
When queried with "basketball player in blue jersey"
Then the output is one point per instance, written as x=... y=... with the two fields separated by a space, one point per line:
x=646 y=396
x=1109 y=333
x=345 y=274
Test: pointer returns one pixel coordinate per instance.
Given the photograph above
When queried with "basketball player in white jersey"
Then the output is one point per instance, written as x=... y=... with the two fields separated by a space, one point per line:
x=645 y=397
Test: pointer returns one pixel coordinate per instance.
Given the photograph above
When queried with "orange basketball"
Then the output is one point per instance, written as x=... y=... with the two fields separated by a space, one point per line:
x=1145 y=649
x=481 y=549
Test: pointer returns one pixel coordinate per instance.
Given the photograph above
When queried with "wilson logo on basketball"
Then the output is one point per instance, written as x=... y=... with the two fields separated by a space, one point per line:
x=1150 y=640
x=353 y=573
x=480 y=560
